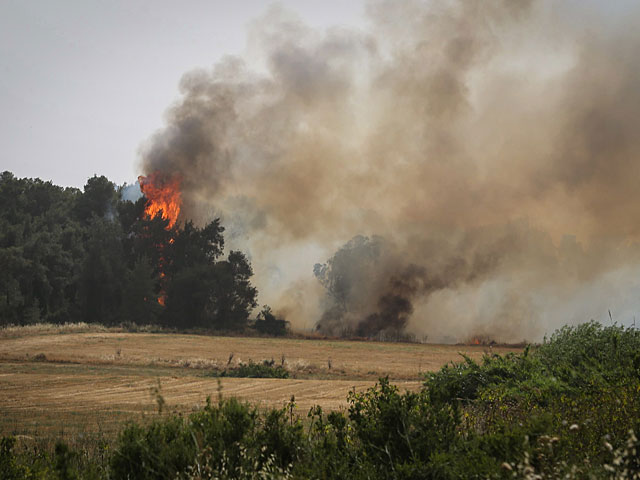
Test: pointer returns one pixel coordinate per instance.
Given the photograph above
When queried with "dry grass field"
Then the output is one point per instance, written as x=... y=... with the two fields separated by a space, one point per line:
x=77 y=383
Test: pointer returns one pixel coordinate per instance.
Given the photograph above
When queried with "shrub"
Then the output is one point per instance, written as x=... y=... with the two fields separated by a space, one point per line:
x=400 y=430
x=584 y=377
x=267 y=323
x=265 y=369
x=590 y=356
x=160 y=450
x=228 y=439
x=10 y=469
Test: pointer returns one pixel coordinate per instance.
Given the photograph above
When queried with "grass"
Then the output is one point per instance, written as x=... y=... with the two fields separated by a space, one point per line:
x=16 y=331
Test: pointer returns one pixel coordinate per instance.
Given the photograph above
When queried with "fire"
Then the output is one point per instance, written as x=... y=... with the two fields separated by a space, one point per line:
x=483 y=340
x=162 y=191
x=163 y=195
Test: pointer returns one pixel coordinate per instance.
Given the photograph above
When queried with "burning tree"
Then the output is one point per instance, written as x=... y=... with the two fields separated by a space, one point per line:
x=197 y=287
x=162 y=192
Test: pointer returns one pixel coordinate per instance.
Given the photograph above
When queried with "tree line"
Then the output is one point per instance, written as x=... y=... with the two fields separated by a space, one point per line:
x=69 y=255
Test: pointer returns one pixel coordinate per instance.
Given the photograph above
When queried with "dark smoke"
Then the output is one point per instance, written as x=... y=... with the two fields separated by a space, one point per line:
x=492 y=144
x=371 y=289
x=394 y=306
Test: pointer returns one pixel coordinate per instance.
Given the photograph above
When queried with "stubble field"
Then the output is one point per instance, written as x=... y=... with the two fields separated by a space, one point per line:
x=91 y=382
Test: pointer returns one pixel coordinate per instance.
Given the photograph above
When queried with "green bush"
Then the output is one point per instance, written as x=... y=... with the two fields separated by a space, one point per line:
x=10 y=469
x=37 y=463
x=401 y=432
x=265 y=369
x=590 y=356
x=164 y=449
x=575 y=361
x=230 y=436
x=584 y=382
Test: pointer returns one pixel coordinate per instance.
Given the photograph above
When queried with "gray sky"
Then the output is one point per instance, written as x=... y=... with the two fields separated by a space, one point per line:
x=84 y=82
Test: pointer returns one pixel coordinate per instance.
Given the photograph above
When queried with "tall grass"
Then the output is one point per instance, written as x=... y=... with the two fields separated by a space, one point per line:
x=13 y=331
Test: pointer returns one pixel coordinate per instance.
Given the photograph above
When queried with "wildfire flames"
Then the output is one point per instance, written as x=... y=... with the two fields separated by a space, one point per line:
x=162 y=191
x=163 y=195
x=480 y=340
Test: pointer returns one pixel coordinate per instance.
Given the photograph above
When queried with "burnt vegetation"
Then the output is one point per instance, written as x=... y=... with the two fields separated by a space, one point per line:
x=370 y=290
x=70 y=255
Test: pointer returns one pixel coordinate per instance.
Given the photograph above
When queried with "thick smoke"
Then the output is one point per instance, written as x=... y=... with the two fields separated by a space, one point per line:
x=482 y=156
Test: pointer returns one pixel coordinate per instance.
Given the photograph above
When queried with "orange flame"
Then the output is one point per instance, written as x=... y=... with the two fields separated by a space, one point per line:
x=162 y=191
x=483 y=340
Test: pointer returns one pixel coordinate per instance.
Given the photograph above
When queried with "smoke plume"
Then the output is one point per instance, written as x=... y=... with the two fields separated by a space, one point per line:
x=459 y=168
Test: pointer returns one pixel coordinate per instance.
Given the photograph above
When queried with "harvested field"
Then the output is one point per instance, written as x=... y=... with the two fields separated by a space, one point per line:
x=306 y=357
x=88 y=382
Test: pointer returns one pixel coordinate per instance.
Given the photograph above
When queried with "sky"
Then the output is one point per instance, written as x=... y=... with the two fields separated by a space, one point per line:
x=83 y=83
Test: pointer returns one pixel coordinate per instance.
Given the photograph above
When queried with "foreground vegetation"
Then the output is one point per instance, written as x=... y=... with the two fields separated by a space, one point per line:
x=565 y=409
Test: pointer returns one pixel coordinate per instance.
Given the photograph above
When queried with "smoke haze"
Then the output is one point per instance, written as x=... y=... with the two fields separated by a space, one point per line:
x=460 y=168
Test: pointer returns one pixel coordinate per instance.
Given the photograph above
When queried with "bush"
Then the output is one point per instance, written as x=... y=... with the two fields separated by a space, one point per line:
x=225 y=439
x=267 y=323
x=575 y=361
x=161 y=450
x=266 y=369
x=9 y=467
x=401 y=431
x=584 y=377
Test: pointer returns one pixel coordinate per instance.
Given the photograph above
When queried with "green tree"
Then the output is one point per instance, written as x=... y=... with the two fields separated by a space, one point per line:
x=99 y=199
x=140 y=304
x=191 y=246
x=215 y=295
x=102 y=274
x=68 y=255
x=233 y=297
x=40 y=250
